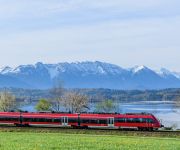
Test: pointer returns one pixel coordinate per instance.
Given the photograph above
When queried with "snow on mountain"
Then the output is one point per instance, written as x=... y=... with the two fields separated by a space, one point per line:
x=88 y=75
x=176 y=74
x=53 y=71
x=143 y=70
x=91 y=67
x=166 y=73
x=85 y=68
x=138 y=68
x=5 y=70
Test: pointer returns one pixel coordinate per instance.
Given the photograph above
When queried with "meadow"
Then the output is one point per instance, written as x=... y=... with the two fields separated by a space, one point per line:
x=64 y=141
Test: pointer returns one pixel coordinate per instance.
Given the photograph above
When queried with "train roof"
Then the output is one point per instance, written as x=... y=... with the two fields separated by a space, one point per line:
x=87 y=115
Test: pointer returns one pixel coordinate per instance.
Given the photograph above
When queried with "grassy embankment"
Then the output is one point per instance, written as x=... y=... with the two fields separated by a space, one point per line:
x=89 y=131
x=58 y=138
x=58 y=141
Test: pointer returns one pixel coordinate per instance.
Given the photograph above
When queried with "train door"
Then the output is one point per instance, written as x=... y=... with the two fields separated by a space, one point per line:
x=64 y=121
x=110 y=122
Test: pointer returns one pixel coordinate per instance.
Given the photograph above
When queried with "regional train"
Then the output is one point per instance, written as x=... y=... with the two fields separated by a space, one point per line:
x=141 y=121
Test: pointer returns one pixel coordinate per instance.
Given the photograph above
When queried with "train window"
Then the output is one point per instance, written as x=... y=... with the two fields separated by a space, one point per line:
x=85 y=120
x=48 y=120
x=136 y=120
x=27 y=119
x=9 y=119
x=34 y=119
x=143 y=120
x=1 y=119
x=93 y=121
x=149 y=120
x=16 y=119
x=56 y=120
x=42 y=119
x=120 y=120
x=72 y=120
x=129 y=120
x=37 y=119
x=102 y=121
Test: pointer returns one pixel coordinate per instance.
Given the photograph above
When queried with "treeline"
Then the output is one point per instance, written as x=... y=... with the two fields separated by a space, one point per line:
x=96 y=95
x=72 y=101
x=134 y=95
x=78 y=100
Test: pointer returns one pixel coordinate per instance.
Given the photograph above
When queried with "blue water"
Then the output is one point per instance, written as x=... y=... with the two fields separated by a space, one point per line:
x=136 y=107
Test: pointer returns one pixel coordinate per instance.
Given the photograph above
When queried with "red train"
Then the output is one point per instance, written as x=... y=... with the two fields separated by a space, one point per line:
x=139 y=121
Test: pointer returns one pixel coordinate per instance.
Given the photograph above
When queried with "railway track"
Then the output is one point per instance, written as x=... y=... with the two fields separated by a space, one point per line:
x=96 y=131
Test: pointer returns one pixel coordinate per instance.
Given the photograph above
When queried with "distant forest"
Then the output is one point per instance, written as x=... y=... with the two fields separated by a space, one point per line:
x=96 y=95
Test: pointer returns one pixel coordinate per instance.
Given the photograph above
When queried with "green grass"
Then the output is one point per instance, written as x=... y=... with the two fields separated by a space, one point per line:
x=62 y=141
x=89 y=131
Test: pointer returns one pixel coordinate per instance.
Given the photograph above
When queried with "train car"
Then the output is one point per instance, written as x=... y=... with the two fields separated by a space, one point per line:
x=54 y=119
x=84 y=120
x=9 y=118
x=139 y=121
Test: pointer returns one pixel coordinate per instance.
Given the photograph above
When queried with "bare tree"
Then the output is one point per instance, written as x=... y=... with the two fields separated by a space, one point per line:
x=57 y=93
x=75 y=102
x=7 y=101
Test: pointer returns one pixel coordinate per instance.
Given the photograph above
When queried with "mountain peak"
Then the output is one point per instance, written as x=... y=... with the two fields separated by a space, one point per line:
x=164 y=71
x=137 y=69
x=39 y=64
x=5 y=70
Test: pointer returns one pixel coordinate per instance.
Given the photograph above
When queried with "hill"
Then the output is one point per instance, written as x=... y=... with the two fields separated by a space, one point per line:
x=101 y=94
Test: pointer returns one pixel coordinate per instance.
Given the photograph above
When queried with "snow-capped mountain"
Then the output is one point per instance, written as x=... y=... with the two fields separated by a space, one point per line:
x=87 y=75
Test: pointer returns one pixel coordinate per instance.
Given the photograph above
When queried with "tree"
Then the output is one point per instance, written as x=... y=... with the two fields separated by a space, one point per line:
x=57 y=93
x=43 y=105
x=7 y=101
x=106 y=106
x=75 y=102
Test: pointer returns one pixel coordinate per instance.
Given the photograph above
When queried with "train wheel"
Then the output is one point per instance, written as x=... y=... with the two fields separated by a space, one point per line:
x=143 y=129
x=18 y=125
x=150 y=129
x=140 y=129
x=74 y=127
x=85 y=127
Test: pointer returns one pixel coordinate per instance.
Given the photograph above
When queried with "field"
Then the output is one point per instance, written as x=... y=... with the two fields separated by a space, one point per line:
x=58 y=141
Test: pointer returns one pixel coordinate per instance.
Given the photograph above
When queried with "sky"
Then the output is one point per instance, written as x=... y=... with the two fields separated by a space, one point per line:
x=122 y=32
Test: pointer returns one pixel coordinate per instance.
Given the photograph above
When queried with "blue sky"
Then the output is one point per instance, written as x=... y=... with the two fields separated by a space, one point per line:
x=123 y=32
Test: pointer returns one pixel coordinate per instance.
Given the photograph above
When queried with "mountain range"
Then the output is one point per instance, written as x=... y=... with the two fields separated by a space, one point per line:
x=87 y=75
